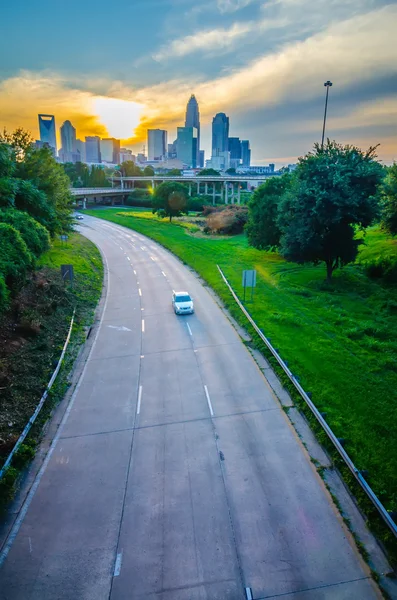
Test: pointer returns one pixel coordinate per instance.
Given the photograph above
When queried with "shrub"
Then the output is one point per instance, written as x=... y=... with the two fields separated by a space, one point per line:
x=15 y=258
x=33 y=233
x=3 y=294
x=195 y=204
x=385 y=268
x=230 y=220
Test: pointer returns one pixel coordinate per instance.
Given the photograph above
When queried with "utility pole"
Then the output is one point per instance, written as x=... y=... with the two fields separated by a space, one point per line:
x=327 y=84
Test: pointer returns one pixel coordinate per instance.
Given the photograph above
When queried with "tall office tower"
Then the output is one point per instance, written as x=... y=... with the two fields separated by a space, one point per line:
x=157 y=144
x=47 y=131
x=110 y=150
x=202 y=159
x=245 y=153
x=68 y=142
x=220 y=134
x=193 y=120
x=172 y=150
x=92 y=149
x=80 y=151
x=126 y=155
x=235 y=148
x=186 y=146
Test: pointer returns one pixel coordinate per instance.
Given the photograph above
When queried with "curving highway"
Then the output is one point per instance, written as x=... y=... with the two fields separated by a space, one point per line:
x=175 y=474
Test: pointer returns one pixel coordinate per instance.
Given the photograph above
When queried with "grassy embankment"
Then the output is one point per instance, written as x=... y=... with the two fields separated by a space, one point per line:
x=32 y=335
x=340 y=340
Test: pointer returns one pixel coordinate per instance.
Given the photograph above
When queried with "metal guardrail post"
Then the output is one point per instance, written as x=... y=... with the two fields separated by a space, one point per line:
x=346 y=458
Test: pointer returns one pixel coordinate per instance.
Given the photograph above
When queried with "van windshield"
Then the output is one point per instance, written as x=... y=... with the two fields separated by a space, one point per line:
x=182 y=299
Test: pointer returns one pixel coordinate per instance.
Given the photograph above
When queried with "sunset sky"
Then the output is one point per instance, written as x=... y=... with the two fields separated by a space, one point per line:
x=117 y=69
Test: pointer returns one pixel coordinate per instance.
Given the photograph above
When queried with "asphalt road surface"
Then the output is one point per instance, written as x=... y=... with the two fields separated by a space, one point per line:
x=175 y=474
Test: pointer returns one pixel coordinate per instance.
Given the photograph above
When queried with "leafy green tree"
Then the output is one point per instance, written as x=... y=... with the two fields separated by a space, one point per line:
x=389 y=200
x=209 y=172
x=97 y=177
x=170 y=199
x=19 y=140
x=15 y=258
x=148 y=171
x=231 y=171
x=129 y=169
x=41 y=169
x=34 y=235
x=174 y=173
x=334 y=192
x=262 y=228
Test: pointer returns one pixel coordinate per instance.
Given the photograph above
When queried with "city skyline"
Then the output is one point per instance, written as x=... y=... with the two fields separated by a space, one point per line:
x=263 y=64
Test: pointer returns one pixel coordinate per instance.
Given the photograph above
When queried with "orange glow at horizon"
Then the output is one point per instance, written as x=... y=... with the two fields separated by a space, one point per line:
x=120 y=117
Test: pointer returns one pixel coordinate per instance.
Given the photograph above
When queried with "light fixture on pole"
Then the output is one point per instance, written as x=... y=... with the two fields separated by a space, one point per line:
x=327 y=84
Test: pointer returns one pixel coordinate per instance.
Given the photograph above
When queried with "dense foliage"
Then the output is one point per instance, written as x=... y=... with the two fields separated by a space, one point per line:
x=315 y=214
x=262 y=229
x=82 y=175
x=170 y=199
x=389 y=200
x=35 y=202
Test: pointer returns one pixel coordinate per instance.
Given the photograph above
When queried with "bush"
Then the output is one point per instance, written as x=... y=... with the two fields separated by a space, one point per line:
x=230 y=220
x=15 y=258
x=195 y=204
x=3 y=294
x=385 y=268
x=33 y=233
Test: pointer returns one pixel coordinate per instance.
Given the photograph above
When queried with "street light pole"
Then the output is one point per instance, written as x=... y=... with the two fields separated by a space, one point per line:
x=327 y=84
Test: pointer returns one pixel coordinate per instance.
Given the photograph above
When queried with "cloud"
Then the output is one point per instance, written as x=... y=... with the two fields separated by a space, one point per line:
x=227 y=6
x=357 y=50
x=207 y=41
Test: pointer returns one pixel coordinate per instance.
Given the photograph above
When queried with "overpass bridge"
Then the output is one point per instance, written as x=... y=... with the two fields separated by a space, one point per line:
x=228 y=187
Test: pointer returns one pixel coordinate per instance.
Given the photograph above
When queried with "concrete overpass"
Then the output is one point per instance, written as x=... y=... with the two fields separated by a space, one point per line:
x=226 y=186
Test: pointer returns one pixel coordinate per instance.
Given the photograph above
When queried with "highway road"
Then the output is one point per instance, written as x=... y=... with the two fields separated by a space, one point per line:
x=175 y=474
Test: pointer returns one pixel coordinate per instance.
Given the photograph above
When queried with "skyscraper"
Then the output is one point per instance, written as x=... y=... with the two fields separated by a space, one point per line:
x=47 y=131
x=193 y=120
x=92 y=149
x=245 y=153
x=110 y=150
x=68 y=142
x=157 y=144
x=186 y=146
x=80 y=151
x=234 y=148
x=220 y=134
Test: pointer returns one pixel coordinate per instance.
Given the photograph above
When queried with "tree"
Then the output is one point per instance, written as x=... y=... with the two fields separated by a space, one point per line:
x=389 y=200
x=174 y=173
x=41 y=169
x=170 y=199
x=15 y=258
x=34 y=235
x=231 y=171
x=209 y=172
x=19 y=140
x=129 y=169
x=148 y=171
x=334 y=192
x=262 y=228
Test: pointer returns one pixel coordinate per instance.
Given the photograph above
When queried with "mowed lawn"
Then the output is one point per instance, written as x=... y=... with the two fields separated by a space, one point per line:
x=341 y=341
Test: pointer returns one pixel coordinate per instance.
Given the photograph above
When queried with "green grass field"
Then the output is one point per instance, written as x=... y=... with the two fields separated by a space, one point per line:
x=341 y=341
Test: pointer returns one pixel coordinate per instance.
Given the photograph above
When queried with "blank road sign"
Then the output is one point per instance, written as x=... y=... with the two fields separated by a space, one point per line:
x=249 y=278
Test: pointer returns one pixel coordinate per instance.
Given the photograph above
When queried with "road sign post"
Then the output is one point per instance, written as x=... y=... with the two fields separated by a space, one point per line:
x=67 y=273
x=249 y=280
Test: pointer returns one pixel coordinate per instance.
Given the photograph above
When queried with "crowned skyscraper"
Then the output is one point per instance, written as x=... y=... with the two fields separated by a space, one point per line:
x=193 y=120
x=47 y=131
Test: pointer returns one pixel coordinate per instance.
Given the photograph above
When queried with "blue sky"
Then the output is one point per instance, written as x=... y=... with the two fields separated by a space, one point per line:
x=118 y=69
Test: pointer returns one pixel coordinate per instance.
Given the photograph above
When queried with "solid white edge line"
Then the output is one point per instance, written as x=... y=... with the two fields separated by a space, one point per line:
x=138 y=408
x=209 y=401
x=17 y=525
x=117 y=566
x=188 y=326
x=140 y=291
x=143 y=325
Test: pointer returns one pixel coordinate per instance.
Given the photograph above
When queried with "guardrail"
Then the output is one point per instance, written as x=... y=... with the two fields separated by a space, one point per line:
x=40 y=404
x=356 y=472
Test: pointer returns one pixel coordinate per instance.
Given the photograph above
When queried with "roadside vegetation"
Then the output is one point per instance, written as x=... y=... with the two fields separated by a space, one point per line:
x=36 y=305
x=339 y=335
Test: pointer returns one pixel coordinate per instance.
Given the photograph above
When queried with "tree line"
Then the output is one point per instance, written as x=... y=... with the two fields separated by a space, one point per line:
x=35 y=205
x=314 y=214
